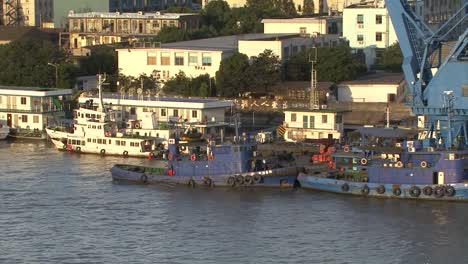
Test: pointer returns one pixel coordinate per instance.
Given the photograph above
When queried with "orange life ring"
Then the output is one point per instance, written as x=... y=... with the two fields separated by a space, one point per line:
x=169 y=156
x=193 y=157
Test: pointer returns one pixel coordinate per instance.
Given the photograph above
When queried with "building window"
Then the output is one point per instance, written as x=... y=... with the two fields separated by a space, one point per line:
x=165 y=58
x=24 y=118
x=360 y=19
x=193 y=59
x=378 y=19
x=303 y=30
x=324 y=119
x=155 y=24
x=163 y=112
x=151 y=58
x=194 y=113
x=305 y=120
x=360 y=37
x=132 y=110
x=35 y=119
x=293 y=117
x=206 y=59
x=312 y=122
x=23 y=100
x=179 y=58
x=378 y=36
x=175 y=112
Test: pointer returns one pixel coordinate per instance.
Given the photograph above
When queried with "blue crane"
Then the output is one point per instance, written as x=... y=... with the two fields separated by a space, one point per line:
x=438 y=86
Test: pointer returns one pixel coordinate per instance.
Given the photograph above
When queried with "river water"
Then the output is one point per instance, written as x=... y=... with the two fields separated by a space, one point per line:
x=58 y=207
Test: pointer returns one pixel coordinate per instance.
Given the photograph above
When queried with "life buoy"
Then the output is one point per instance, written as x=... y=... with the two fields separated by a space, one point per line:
x=125 y=153
x=137 y=125
x=249 y=180
x=399 y=164
x=231 y=181
x=183 y=148
x=345 y=187
x=397 y=191
x=380 y=189
x=103 y=152
x=414 y=191
x=257 y=179
x=144 y=178
x=365 y=189
x=363 y=161
x=170 y=172
x=439 y=191
x=191 y=183
x=449 y=191
x=239 y=179
x=210 y=157
x=346 y=148
x=423 y=164
x=427 y=190
x=193 y=157
x=78 y=149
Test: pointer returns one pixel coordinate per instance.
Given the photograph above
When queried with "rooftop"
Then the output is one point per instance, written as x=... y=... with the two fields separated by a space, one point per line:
x=129 y=15
x=377 y=78
x=33 y=91
x=302 y=20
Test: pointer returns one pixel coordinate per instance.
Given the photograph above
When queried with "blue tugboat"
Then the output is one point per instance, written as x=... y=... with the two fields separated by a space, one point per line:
x=435 y=166
x=229 y=164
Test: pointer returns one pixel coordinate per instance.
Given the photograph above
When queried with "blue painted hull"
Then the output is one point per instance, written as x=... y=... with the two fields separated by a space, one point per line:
x=281 y=177
x=407 y=191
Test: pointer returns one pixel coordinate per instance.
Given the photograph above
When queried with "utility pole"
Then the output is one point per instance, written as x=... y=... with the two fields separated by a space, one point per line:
x=314 y=99
x=56 y=72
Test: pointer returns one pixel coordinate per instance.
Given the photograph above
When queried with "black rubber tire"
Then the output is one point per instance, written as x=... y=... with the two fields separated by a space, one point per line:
x=208 y=182
x=257 y=179
x=397 y=191
x=191 y=183
x=103 y=152
x=248 y=180
x=439 y=192
x=450 y=191
x=78 y=149
x=231 y=181
x=365 y=190
x=144 y=178
x=125 y=153
x=380 y=189
x=414 y=191
x=427 y=190
x=345 y=187
x=239 y=180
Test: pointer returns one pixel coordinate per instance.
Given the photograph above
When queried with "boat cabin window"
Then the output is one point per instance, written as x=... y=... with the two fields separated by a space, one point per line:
x=134 y=144
x=82 y=115
x=93 y=116
x=94 y=140
x=94 y=127
x=110 y=142
x=89 y=140
x=99 y=116
x=88 y=116
x=99 y=127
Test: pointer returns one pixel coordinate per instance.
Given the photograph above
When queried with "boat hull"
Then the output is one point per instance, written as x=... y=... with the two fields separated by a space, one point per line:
x=406 y=191
x=283 y=177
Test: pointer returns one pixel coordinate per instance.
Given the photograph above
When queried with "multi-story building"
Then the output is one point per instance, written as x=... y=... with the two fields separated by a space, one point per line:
x=26 y=12
x=435 y=12
x=31 y=108
x=96 y=28
x=204 y=56
x=368 y=29
x=306 y=26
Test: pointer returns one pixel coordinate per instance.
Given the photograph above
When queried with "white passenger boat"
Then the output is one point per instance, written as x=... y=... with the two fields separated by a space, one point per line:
x=4 y=131
x=95 y=130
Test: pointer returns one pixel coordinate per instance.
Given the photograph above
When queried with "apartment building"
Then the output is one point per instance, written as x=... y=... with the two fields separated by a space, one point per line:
x=26 y=12
x=312 y=26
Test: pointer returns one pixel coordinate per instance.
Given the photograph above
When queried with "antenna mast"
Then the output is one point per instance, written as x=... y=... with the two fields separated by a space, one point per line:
x=314 y=98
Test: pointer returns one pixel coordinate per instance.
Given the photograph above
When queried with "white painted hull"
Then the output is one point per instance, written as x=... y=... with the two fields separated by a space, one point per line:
x=4 y=131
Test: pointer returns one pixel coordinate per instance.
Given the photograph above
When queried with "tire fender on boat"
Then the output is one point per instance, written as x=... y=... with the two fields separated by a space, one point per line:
x=449 y=191
x=345 y=187
x=380 y=189
x=231 y=181
x=249 y=180
x=239 y=179
x=397 y=191
x=207 y=181
x=125 y=153
x=439 y=191
x=103 y=152
x=257 y=179
x=365 y=189
x=191 y=183
x=427 y=190
x=414 y=191
x=78 y=149
x=144 y=178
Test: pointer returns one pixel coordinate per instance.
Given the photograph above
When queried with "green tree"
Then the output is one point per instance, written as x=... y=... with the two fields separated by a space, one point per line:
x=391 y=59
x=25 y=63
x=264 y=72
x=308 y=7
x=179 y=85
x=231 y=76
x=216 y=14
x=103 y=59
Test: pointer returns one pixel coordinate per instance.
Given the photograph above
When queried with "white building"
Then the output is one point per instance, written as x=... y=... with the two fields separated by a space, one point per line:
x=204 y=56
x=311 y=26
x=27 y=12
x=312 y=125
x=376 y=88
x=31 y=107
x=368 y=29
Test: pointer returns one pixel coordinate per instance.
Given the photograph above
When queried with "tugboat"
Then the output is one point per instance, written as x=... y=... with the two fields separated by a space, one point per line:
x=223 y=165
